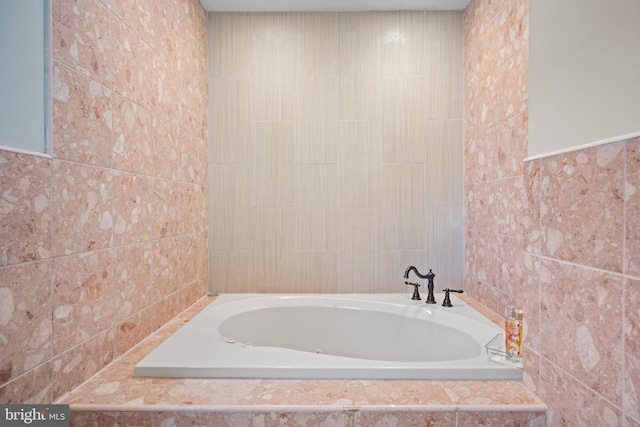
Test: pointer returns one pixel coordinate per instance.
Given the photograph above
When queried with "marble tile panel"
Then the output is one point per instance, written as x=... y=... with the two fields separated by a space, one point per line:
x=405 y=418
x=133 y=329
x=511 y=268
x=134 y=67
x=508 y=208
x=582 y=206
x=531 y=207
x=471 y=92
x=580 y=309
x=170 y=306
x=511 y=144
x=486 y=58
x=168 y=156
x=530 y=297
x=485 y=156
x=513 y=33
x=193 y=106
x=224 y=392
x=163 y=90
x=470 y=261
x=398 y=392
x=570 y=403
x=531 y=371
x=502 y=419
x=632 y=208
x=75 y=366
x=513 y=86
x=488 y=393
x=133 y=206
x=81 y=38
x=200 y=251
x=487 y=104
x=35 y=386
x=295 y=392
x=470 y=22
x=203 y=418
x=469 y=206
x=485 y=259
x=487 y=206
x=631 y=330
x=630 y=422
x=194 y=165
x=82 y=208
x=166 y=211
x=112 y=418
x=134 y=142
x=25 y=318
x=83 y=297
x=192 y=208
x=337 y=418
x=25 y=208
x=486 y=13
x=166 y=273
x=132 y=274
x=82 y=117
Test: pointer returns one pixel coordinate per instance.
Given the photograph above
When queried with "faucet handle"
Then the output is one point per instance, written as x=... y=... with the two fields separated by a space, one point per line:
x=416 y=294
x=447 y=300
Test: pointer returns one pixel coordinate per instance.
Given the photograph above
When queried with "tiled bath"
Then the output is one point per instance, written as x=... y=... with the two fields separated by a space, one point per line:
x=114 y=396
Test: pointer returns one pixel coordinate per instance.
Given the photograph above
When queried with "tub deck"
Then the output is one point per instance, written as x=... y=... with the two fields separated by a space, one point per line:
x=114 y=395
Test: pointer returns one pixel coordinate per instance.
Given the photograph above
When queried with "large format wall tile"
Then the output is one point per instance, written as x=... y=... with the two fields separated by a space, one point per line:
x=82 y=117
x=327 y=112
x=632 y=208
x=582 y=219
x=127 y=180
x=84 y=297
x=25 y=318
x=82 y=38
x=82 y=208
x=25 y=208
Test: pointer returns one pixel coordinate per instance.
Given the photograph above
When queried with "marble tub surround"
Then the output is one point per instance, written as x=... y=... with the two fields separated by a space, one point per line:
x=105 y=240
x=558 y=236
x=114 y=395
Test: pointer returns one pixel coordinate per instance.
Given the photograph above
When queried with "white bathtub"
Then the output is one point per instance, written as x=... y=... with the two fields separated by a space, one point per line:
x=372 y=336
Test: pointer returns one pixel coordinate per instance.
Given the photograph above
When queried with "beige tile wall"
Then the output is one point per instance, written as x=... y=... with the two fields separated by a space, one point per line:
x=559 y=235
x=336 y=150
x=107 y=240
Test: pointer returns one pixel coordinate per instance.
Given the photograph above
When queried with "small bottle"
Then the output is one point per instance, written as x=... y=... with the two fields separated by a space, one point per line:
x=513 y=331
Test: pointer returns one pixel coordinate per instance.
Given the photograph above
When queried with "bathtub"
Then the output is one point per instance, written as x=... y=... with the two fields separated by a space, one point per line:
x=346 y=336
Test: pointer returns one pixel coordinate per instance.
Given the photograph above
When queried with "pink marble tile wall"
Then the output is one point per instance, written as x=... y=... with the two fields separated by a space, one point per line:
x=558 y=235
x=106 y=240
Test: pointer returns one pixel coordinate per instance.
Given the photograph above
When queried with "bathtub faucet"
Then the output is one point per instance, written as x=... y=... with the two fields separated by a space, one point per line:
x=429 y=276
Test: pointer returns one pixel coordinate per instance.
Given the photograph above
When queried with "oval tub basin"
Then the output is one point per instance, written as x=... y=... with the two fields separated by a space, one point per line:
x=366 y=336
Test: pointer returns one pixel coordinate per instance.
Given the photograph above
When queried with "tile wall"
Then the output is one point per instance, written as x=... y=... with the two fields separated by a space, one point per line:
x=558 y=235
x=337 y=150
x=106 y=240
